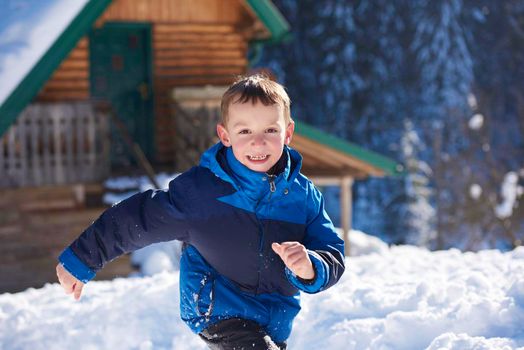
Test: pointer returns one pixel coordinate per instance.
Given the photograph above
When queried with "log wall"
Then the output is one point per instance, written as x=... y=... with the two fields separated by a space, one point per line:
x=189 y=55
x=70 y=82
x=195 y=43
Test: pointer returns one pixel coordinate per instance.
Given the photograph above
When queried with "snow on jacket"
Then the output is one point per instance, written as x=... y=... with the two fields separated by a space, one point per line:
x=228 y=216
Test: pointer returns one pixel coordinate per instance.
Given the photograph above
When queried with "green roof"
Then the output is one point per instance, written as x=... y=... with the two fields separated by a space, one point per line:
x=272 y=19
x=29 y=87
x=44 y=68
x=389 y=166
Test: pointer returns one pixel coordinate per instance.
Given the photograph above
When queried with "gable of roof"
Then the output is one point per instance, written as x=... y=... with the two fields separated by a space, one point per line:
x=29 y=86
x=23 y=93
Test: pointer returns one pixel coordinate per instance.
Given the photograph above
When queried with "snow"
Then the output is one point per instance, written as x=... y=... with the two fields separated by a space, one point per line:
x=509 y=191
x=158 y=257
x=140 y=182
x=400 y=297
x=28 y=28
x=117 y=186
x=475 y=191
x=472 y=101
x=476 y=121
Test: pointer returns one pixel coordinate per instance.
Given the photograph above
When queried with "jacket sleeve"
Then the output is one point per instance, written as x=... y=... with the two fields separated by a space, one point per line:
x=325 y=248
x=145 y=218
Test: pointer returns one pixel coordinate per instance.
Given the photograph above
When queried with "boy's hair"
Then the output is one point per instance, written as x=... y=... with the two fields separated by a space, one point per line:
x=253 y=88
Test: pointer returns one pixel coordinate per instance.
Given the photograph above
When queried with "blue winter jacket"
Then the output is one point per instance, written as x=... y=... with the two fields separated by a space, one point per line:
x=228 y=216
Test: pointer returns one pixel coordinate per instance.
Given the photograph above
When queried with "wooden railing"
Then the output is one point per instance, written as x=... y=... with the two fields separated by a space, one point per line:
x=59 y=143
x=196 y=112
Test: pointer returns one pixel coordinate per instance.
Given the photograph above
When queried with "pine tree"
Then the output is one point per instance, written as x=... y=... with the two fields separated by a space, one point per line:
x=379 y=72
x=420 y=213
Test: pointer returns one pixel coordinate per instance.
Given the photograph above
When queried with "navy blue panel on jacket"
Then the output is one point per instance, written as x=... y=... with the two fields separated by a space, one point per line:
x=229 y=216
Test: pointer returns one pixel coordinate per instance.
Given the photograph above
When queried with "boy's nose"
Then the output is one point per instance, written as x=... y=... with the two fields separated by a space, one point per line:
x=258 y=140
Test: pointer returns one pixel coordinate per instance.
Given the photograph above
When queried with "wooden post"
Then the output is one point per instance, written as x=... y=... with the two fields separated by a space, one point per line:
x=345 y=209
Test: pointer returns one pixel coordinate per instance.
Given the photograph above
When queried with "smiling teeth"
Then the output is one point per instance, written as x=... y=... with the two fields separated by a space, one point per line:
x=257 y=157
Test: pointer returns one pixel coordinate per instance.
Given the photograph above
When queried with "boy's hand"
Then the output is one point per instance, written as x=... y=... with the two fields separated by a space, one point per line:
x=69 y=282
x=296 y=258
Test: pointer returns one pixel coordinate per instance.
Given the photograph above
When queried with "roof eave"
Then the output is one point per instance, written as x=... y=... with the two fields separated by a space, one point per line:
x=383 y=166
x=272 y=19
x=42 y=71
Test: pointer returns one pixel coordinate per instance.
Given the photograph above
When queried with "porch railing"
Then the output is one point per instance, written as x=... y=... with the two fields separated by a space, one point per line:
x=59 y=143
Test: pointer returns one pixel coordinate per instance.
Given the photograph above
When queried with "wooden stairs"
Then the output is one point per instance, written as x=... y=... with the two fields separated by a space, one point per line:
x=36 y=224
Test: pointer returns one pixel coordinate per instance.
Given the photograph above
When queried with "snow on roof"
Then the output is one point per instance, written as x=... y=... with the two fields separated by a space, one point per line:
x=28 y=28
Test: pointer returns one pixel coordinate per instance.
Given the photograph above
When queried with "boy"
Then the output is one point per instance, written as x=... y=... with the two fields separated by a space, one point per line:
x=255 y=231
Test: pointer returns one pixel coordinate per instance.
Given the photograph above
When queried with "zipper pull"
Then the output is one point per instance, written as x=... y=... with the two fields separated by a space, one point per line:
x=272 y=186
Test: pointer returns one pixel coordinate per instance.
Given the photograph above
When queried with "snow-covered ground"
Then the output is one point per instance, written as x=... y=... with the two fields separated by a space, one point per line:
x=389 y=298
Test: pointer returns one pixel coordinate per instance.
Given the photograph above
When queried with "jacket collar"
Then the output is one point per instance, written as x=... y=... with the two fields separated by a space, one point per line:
x=234 y=172
x=254 y=183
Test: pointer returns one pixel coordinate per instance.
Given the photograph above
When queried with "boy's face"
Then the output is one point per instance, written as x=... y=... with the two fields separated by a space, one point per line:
x=257 y=134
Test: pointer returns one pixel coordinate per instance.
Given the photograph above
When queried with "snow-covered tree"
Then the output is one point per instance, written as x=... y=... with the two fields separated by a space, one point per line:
x=420 y=212
x=482 y=176
x=363 y=69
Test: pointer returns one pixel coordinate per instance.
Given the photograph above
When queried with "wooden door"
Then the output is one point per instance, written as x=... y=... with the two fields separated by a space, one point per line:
x=120 y=73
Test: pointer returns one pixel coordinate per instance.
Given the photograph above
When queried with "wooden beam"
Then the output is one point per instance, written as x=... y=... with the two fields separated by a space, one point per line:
x=199 y=53
x=192 y=37
x=177 y=45
x=346 y=210
x=61 y=95
x=199 y=71
x=78 y=54
x=74 y=64
x=77 y=84
x=320 y=172
x=326 y=180
x=180 y=80
x=70 y=74
x=192 y=28
x=198 y=62
x=317 y=156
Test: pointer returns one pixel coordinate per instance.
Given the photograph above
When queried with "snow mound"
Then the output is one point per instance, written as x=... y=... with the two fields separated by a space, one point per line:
x=361 y=244
x=158 y=257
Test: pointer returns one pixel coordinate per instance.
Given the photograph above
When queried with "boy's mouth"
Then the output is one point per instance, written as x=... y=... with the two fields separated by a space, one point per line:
x=258 y=158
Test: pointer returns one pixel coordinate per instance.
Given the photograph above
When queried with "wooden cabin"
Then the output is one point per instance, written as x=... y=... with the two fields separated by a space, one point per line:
x=158 y=68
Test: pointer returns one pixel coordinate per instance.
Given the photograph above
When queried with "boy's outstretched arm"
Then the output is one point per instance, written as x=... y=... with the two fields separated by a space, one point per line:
x=145 y=218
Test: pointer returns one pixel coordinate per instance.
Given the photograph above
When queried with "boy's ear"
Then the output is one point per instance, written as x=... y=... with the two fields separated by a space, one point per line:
x=289 y=132
x=223 y=135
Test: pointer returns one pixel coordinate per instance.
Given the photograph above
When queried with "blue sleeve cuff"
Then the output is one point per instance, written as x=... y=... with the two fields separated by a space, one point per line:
x=75 y=266
x=320 y=275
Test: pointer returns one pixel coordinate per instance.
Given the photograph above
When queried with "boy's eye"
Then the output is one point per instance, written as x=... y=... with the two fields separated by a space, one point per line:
x=272 y=130
x=244 y=131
